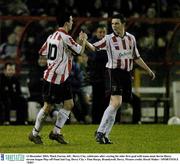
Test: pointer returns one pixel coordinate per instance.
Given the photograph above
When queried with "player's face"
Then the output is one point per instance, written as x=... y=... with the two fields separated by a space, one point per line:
x=70 y=23
x=117 y=25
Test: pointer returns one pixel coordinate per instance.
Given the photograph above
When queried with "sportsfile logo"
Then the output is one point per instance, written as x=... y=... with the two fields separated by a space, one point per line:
x=14 y=157
x=2 y=157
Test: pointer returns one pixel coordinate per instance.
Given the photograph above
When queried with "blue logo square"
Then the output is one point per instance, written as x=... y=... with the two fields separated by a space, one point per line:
x=2 y=157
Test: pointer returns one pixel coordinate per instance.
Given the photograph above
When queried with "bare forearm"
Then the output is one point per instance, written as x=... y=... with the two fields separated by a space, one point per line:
x=83 y=44
x=90 y=46
x=83 y=36
x=143 y=65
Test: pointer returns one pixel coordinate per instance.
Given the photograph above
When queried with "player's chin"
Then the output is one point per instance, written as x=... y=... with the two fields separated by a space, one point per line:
x=69 y=28
x=115 y=31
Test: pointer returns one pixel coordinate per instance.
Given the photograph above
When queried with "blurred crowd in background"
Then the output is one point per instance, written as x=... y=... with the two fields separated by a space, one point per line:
x=93 y=8
x=151 y=37
x=89 y=71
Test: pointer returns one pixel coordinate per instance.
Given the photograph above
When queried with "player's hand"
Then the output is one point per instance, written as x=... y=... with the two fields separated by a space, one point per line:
x=152 y=75
x=82 y=36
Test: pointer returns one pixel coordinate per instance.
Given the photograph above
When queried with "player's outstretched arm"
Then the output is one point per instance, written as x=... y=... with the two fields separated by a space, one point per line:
x=88 y=45
x=143 y=65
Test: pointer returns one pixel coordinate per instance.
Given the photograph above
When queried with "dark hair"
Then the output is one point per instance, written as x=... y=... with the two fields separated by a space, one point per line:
x=61 y=19
x=62 y=15
x=96 y=26
x=9 y=63
x=100 y=26
x=119 y=16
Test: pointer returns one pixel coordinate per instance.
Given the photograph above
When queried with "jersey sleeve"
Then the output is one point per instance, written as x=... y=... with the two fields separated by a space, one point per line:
x=100 y=45
x=136 y=54
x=44 y=49
x=72 y=45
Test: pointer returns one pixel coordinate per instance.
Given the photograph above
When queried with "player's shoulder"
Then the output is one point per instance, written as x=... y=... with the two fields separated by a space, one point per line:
x=130 y=35
x=59 y=35
x=49 y=36
x=63 y=32
x=109 y=36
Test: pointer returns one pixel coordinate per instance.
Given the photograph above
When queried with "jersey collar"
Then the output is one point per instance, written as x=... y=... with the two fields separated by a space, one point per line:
x=62 y=30
x=120 y=36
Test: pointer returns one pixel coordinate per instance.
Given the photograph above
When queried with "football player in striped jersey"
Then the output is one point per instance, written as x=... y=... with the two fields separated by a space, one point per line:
x=59 y=49
x=122 y=52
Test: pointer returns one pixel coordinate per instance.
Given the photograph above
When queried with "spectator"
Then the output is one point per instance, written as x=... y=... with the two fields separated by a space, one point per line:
x=35 y=80
x=11 y=96
x=18 y=30
x=9 y=48
x=82 y=90
x=97 y=61
x=17 y=7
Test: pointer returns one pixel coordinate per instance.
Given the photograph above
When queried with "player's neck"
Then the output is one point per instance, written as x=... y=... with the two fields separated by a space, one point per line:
x=64 y=28
x=121 y=32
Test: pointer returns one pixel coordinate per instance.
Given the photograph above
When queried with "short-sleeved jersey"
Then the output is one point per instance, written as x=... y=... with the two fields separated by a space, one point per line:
x=121 y=51
x=59 y=49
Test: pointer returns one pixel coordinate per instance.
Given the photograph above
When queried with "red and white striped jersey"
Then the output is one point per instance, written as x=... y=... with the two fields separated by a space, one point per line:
x=59 y=49
x=121 y=51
